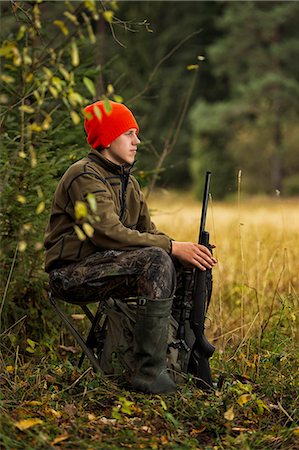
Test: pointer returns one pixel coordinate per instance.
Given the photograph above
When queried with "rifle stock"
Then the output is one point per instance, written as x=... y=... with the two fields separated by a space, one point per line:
x=202 y=349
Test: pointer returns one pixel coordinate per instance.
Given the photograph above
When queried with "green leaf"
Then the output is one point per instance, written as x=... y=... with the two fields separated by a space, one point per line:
x=92 y=202
x=107 y=106
x=90 y=86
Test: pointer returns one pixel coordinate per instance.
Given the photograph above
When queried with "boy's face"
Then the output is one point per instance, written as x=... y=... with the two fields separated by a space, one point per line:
x=123 y=149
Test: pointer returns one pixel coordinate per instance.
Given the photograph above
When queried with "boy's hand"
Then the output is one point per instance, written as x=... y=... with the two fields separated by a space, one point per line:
x=195 y=255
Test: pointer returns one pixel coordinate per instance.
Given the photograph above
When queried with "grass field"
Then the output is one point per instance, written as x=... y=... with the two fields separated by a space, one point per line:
x=47 y=403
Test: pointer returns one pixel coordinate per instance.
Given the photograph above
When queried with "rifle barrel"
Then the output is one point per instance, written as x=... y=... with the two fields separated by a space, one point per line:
x=204 y=207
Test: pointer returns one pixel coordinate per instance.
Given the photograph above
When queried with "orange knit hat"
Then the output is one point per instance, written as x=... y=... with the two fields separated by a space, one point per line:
x=103 y=127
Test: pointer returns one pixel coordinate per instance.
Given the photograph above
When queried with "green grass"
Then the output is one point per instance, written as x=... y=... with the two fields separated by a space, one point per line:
x=253 y=322
x=256 y=407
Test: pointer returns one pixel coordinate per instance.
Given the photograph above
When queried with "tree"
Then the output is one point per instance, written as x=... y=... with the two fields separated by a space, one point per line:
x=258 y=57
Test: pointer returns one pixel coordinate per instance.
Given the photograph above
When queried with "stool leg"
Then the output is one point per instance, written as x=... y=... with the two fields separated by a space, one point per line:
x=88 y=352
x=94 y=322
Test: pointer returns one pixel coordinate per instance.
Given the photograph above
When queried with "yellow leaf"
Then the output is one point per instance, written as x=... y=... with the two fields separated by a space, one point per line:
x=91 y=34
x=192 y=66
x=7 y=79
x=75 y=98
x=22 y=199
x=107 y=106
x=48 y=72
x=32 y=156
x=64 y=72
x=88 y=229
x=79 y=233
x=22 y=245
x=108 y=16
x=27 y=109
x=35 y=127
x=75 y=117
x=243 y=399
x=28 y=423
x=110 y=89
x=296 y=431
x=75 y=54
x=53 y=412
x=80 y=210
x=61 y=25
x=78 y=316
x=29 y=77
x=92 y=202
x=57 y=82
x=21 y=32
x=118 y=98
x=27 y=226
x=53 y=91
x=47 y=122
x=71 y=17
x=33 y=403
x=60 y=438
x=40 y=208
x=229 y=414
x=22 y=154
x=10 y=369
x=97 y=112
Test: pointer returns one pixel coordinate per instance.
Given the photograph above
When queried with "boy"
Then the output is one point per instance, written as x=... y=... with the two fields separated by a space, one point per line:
x=124 y=254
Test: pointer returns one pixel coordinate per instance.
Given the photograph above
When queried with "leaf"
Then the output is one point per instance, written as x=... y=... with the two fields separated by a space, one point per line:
x=21 y=32
x=108 y=16
x=107 y=106
x=40 y=208
x=61 y=25
x=32 y=156
x=163 y=404
x=201 y=58
x=28 y=423
x=64 y=72
x=78 y=316
x=71 y=17
x=91 y=198
x=10 y=369
x=22 y=245
x=88 y=229
x=35 y=127
x=21 y=199
x=192 y=66
x=90 y=86
x=75 y=54
x=75 y=117
x=27 y=109
x=97 y=112
x=118 y=98
x=53 y=91
x=80 y=210
x=79 y=233
x=229 y=414
x=110 y=89
x=75 y=98
x=7 y=79
x=60 y=438
x=243 y=399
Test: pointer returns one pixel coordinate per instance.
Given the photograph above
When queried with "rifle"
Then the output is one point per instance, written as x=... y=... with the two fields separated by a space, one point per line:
x=202 y=350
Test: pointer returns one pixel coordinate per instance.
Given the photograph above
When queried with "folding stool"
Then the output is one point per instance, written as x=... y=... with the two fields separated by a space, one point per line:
x=97 y=321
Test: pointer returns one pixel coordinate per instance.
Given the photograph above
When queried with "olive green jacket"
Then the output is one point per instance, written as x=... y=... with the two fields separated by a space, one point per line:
x=121 y=220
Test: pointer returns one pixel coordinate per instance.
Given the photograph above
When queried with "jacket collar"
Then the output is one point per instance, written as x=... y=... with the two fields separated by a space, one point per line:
x=96 y=156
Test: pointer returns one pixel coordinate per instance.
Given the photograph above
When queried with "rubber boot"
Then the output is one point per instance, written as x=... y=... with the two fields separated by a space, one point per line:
x=150 y=347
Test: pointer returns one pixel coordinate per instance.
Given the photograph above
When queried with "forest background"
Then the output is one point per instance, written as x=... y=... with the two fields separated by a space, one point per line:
x=214 y=86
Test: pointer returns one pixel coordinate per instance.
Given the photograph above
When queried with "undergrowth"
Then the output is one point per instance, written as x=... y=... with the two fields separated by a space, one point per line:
x=48 y=403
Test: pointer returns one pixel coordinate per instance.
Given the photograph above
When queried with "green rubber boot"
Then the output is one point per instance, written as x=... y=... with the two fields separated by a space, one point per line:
x=150 y=347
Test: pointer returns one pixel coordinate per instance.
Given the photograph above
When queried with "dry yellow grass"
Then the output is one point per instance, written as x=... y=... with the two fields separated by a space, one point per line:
x=257 y=249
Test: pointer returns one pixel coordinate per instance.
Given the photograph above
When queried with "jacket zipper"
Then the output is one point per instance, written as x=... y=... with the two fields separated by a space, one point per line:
x=124 y=184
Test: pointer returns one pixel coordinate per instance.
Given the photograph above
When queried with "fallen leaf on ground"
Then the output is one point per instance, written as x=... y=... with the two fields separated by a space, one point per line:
x=28 y=423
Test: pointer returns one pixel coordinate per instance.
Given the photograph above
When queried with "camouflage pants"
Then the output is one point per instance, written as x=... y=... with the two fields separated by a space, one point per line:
x=147 y=272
